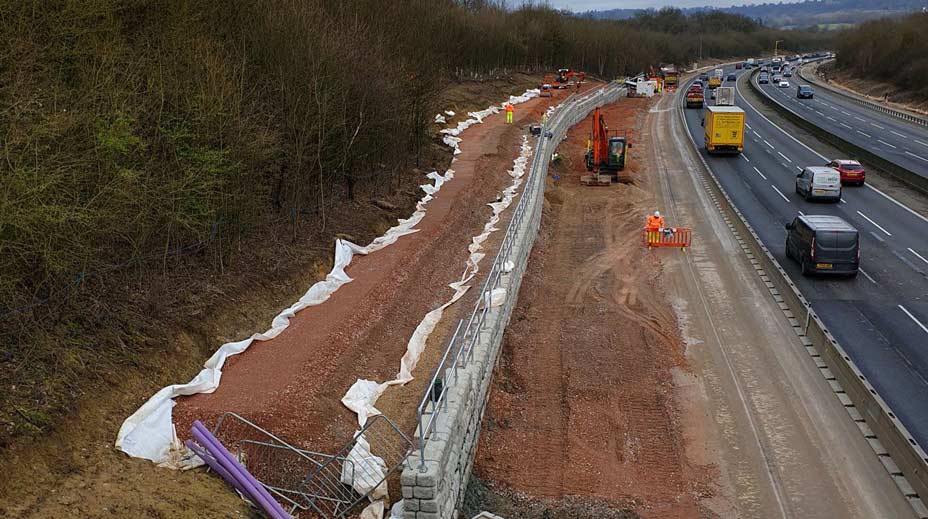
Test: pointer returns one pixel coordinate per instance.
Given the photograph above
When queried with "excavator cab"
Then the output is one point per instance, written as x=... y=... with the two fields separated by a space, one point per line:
x=617 y=153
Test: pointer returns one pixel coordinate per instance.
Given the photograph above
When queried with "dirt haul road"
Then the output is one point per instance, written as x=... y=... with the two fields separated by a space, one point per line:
x=660 y=383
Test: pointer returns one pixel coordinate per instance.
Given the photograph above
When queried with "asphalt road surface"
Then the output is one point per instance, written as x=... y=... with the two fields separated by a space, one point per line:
x=900 y=142
x=881 y=317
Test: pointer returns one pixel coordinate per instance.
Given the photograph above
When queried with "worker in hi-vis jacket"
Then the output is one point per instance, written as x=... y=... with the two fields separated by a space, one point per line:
x=509 y=111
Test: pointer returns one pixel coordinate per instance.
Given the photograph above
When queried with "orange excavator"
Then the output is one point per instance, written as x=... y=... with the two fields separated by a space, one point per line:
x=606 y=154
x=564 y=75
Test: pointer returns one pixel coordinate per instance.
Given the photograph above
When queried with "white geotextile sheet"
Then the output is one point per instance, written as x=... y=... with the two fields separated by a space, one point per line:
x=149 y=432
x=362 y=396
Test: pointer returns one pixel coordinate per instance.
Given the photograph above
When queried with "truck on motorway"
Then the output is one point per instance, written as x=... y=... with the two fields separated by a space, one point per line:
x=715 y=80
x=670 y=75
x=724 y=129
x=695 y=97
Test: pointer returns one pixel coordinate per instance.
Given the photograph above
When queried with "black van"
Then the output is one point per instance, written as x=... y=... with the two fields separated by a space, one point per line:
x=823 y=245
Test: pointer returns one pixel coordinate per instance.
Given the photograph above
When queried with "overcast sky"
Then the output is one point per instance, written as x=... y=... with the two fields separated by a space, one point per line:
x=586 y=5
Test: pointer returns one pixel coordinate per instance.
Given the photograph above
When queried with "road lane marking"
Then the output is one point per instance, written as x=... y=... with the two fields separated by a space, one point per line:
x=846 y=125
x=771 y=145
x=799 y=168
x=843 y=201
x=864 y=272
x=864 y=134
x=912 y=317
x=877 y=125
x=860 y=118
x=875 y=224
x=830 y=118
x=819 y=155
x=779 y=193
x=919 y=255
x=845 y=113
x=912 y=154
x=801 y=213
x=748 y=125
x=745 y=157
x=881 y=141
x=898 y=134
x=785 y=157
x=755 y=133
x=759 y=173
x=920 y=142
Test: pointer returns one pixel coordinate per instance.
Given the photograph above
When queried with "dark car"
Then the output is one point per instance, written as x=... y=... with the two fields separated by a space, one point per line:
x=823 y=244
x=850 y=170
x=804 y=92
x=763 y=78
x=787 y=73
x=704 y=77
x=732 y=77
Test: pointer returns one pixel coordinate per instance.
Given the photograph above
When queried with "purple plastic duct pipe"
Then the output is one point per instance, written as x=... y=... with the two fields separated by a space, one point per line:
x=215 y=466
x=239 y=473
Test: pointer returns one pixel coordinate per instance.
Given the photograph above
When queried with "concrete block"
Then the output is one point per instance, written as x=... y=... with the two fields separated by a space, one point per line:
x=427 y=515
x=845 y=400
x=428 y=506
x=410 y=504
x=876 y=445
x=904 y=486
x=855 y=414
x=921 y=511
x=423 y=493
x=408 y=492
x=890 y=465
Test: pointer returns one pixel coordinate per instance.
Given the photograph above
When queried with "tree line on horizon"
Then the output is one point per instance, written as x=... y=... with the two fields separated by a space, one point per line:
x=889 y=50
x=131 y=128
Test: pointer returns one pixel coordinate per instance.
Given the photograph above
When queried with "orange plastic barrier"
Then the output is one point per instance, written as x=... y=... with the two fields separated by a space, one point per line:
x=668 y=237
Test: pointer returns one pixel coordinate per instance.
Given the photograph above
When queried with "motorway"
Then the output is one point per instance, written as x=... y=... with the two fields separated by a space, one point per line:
x=903 y=143
x=881 y=317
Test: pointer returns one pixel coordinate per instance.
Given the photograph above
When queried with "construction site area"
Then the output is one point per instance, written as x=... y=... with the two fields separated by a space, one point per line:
x=566 y=326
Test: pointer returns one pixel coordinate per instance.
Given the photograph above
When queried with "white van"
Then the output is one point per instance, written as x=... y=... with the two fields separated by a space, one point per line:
x=819 y=182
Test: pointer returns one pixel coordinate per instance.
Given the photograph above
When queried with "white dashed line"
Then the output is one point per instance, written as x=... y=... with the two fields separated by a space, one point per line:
x=860 y=118
x=881 y=141
x=830 y=118
x=864 y=134
x=759 y=173
x=847 y=125
x=875 y=224
x=919 y=255
x=768 y=144
x=785 y=157
x=845 y=113
x=912 y=154
x=877 y=125
x=801 y=213
x=897 y=134
x=820 y=113
x=748 y=126
x=920 y=142
x=757 y=134
x=912 y=317
x=779 y=193
x=862 y=271
x=745 y=157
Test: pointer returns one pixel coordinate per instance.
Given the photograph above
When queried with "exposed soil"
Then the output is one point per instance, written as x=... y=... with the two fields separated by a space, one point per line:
x=583 y=405
x=139 y=330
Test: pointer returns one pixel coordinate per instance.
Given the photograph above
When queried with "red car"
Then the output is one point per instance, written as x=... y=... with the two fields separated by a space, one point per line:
x=851 y=171
x=738 y=66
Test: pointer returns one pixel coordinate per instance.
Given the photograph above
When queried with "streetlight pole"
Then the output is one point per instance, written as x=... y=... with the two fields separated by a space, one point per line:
x=775 y=45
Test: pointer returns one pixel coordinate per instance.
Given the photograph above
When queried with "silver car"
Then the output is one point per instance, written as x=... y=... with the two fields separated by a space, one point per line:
x=819 y=182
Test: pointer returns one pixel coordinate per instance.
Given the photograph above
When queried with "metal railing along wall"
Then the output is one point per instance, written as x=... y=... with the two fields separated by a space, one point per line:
x=508 y=265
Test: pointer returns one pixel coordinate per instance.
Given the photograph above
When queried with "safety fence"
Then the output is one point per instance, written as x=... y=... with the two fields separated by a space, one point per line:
x=483 y=329
x=905 y=116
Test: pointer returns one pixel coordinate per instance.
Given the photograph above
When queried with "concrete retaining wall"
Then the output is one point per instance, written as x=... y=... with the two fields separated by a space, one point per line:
x=435 y=478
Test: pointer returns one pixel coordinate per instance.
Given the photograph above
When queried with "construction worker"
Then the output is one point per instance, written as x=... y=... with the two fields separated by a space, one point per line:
x=653 y=226
x=544 y=118
x=509 y=111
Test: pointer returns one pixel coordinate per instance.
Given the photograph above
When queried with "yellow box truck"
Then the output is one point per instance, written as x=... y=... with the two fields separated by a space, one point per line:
x=724 y=129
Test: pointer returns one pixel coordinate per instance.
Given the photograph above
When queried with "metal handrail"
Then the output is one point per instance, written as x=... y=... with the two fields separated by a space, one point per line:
x=460 y=349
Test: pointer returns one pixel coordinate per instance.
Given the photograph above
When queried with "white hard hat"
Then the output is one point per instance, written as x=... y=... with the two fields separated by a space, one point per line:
x=657 y=213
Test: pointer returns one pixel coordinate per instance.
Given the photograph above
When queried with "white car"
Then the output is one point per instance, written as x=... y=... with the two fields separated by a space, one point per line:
x=783 y=84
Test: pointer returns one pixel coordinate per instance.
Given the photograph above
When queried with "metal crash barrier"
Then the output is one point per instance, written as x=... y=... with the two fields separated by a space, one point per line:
x=678 y=237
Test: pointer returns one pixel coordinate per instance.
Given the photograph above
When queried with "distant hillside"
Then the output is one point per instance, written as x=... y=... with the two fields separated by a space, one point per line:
x=826 y=14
